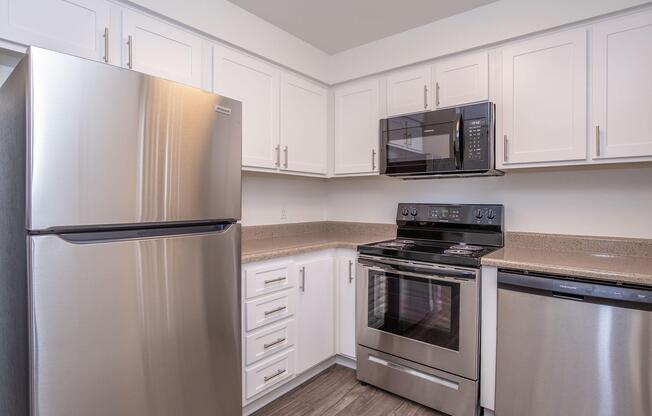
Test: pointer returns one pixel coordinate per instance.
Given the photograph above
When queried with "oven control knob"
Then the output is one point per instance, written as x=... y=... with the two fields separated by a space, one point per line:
x=414 y=211
x=405 y=211
x=491 y=214
x=478 y=213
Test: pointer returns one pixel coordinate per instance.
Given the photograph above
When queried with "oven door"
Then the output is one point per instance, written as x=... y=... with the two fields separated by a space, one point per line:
x=420 y=312
x=423 y=148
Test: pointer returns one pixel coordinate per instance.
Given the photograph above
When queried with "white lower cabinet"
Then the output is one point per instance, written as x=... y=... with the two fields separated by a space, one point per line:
x=288 y=322
x=315 y=311
x=269 y=373
x=346 y=275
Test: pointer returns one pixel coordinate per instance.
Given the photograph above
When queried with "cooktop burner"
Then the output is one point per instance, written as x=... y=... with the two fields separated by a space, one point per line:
x=447 y=234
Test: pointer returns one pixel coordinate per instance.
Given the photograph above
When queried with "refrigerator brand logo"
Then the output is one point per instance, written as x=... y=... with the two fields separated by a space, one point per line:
x=223 y=110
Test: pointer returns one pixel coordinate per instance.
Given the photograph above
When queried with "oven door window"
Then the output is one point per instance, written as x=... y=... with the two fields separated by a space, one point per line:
x=421 y=149
x=417 y=308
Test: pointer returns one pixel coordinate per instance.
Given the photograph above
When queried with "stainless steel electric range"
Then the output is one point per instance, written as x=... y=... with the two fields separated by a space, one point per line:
x=418 y=303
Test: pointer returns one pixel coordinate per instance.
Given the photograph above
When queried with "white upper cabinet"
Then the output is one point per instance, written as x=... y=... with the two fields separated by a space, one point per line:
x=76 y=27
x=304 y=136
x=256 y=84
x=409 y=91
x=544 y=100
x=357 y=118
x=622 y=89
x=158 y=48
x=462 y=80
x=316 y=311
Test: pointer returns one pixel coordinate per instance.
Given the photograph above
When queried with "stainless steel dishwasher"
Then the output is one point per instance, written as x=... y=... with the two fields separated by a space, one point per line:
x=572 y=348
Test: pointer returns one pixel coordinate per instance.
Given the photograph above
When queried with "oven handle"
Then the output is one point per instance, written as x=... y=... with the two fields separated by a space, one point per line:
x=430 y=270
x=433 y=277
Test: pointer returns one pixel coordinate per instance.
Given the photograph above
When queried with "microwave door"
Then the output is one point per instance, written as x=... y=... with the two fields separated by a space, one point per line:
x=419 y=150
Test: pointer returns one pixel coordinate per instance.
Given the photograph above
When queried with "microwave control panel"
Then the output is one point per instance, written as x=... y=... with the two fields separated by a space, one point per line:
x=474 y=134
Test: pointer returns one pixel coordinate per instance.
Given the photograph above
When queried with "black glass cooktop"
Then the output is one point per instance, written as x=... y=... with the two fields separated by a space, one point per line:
x=429 y=251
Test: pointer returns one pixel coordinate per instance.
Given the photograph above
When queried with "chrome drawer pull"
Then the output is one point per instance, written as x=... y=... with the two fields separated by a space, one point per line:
x=278 y=279
x=278 y=373
x=279 y=309
x=350 y=271
x=271 y=344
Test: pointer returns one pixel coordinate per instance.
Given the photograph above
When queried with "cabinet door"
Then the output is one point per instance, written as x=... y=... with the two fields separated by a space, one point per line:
x=75 y=27
x=462 y=80
x=544 y=99
x=315 y=313
x=256 y=85
x=304 y=110
x=408 y=91
x=356 y=128
x=622 y=91
x=346 y=305
x=157 y=48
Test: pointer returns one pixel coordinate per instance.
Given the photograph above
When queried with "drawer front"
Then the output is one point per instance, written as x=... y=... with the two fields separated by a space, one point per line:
x=267 y=279
x=269 y=373
x=268 y=309
x=268 y=341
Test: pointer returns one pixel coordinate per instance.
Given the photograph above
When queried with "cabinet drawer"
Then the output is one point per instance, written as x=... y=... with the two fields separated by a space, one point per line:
x=268 y=341
x=271 y=308
x=269 y=373
x=267 y=279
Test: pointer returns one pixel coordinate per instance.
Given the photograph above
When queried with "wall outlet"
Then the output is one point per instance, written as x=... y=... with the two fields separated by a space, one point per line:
x=284 y=214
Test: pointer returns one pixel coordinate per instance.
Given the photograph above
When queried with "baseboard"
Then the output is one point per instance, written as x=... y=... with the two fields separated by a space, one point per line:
x=345 y=361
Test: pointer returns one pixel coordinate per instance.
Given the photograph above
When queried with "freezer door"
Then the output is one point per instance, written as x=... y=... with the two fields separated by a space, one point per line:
x=137 y=327
x=112 y=146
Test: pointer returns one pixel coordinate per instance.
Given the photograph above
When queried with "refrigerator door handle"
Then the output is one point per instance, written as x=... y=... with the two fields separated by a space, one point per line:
x=140 y=233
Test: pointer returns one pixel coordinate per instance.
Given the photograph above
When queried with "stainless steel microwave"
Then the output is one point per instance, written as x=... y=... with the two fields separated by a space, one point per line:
x=437 y=143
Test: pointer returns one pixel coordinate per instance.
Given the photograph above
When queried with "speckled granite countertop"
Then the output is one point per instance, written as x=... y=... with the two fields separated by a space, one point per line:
x=271 y=241
x=601 y=258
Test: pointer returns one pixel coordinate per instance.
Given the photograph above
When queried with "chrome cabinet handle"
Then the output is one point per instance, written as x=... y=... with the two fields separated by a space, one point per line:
x=303 y=279
x=425 y=96
x=437 y=94
x=505 y=141
x=350 y=271
x=278 y=373
x=130 y=53
x=279 y=309
x=278 y=155
x=285 y=151
x=271 y=344
x=278 y=279
x=597 y=141
x=373 y=160
x=106 y=45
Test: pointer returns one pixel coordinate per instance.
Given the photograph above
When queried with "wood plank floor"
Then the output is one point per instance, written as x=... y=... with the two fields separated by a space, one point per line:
x=336 y=392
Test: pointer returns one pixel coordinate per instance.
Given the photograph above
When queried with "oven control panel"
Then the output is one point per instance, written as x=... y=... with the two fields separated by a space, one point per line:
x=463 y=214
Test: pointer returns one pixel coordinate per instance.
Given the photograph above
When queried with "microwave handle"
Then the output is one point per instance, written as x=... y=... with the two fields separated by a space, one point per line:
x=456 y=143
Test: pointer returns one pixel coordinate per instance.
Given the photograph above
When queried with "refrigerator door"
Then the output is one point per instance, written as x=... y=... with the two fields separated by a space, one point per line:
x=144 y=326
x=112 y=146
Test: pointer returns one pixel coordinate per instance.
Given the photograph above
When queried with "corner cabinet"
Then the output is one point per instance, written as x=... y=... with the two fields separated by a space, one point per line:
x=304 y=118
x=408 y=91
x=356 y=128
x=157 y=48
x=544 y=106
x=622 y=91
x=346 y=278
x=76 y=27
x=462 y=80
x=316 y=311
x=256 y=84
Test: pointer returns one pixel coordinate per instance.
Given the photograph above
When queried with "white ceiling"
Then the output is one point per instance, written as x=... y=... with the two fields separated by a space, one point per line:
x=337 y=25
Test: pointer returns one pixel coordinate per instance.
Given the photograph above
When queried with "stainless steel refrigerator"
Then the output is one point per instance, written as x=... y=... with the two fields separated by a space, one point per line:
x=120 y=246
